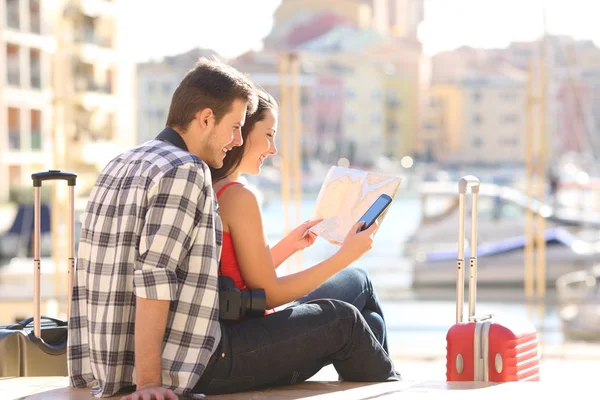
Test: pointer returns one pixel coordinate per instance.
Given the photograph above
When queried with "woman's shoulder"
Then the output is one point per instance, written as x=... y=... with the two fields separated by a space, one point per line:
x=238 y=195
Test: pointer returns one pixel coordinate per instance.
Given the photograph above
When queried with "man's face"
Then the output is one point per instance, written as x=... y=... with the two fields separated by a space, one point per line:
x=225 y=135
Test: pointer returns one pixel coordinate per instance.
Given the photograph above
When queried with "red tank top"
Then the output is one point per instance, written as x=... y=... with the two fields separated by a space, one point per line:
x=229 y=263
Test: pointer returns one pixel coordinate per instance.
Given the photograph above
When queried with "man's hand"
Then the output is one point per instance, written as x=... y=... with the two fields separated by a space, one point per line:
x=151 y=392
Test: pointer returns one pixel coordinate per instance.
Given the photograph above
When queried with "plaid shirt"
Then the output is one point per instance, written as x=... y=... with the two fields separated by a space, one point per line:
x=151 y=229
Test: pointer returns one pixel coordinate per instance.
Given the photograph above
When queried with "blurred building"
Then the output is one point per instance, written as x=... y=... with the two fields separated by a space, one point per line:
x=397 y=18
x=371 y=47
x=573 y=97
x=25 y=95
x=156 y=82
x=478 y=120
x=263 y=68
x=92 y=85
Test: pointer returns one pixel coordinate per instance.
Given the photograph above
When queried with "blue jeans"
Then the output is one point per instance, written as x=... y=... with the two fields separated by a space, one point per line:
x=291 y=345
x=354 y=286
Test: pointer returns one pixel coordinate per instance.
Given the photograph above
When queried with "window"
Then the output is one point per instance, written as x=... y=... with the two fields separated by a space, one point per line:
x=509 y=118
x=476 y=97
x=36 y=130
x=12 y=14
x=34 y=16
x=89 y=34
x=508 y=96
x=109 y=81
x=13 y=72
x=14 y=128
x=477 y=119
x=34 y=59
x=14 y=175
x=477 y=142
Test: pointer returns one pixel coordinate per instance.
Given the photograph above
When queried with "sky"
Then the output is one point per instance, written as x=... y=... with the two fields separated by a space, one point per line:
x=231 y=27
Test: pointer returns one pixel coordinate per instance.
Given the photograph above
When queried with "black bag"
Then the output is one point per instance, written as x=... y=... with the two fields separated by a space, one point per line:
x=32 y=347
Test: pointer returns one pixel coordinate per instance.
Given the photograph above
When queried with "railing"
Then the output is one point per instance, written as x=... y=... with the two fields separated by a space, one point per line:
x=90 y=36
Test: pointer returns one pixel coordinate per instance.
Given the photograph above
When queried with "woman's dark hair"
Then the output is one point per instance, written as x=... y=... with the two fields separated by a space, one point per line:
x=210 y=84
x=234 y=156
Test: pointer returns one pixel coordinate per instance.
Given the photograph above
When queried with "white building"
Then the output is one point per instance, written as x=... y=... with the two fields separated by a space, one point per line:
x=100 y=117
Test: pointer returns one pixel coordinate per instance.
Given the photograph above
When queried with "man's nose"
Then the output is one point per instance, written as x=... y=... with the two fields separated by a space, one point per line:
x=237 y=138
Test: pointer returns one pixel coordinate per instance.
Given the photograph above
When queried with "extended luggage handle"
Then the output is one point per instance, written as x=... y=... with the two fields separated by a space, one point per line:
x=23 y=324
x=464 y=184
x=38 y=178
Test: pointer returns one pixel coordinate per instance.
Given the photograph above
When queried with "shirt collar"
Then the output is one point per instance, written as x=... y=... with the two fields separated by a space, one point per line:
x=171 y=136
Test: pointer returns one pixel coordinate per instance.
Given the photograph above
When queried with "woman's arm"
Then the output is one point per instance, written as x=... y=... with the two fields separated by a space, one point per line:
x=282 y=251
x=240 y=209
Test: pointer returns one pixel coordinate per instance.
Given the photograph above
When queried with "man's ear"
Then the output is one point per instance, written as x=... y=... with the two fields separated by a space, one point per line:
x=206 y=119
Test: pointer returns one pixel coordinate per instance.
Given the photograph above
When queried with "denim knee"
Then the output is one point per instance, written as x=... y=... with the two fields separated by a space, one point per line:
x=358 y=274
x=376 y=323
x=341 y=309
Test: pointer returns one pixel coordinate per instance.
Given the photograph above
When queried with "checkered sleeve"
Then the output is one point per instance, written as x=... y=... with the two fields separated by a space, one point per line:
x=169 y=231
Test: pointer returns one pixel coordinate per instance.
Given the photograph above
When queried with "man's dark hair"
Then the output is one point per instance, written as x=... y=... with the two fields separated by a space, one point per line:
x=210 y=84
x=234 y=156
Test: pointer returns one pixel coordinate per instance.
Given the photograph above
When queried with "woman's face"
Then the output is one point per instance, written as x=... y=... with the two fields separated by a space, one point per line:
x=260 y=144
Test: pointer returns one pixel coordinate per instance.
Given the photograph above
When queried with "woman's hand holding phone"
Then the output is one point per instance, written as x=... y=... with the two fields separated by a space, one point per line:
x=357 y=242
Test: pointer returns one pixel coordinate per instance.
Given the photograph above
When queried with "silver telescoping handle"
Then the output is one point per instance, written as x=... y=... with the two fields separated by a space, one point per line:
x=464 y=184
x=38 y=178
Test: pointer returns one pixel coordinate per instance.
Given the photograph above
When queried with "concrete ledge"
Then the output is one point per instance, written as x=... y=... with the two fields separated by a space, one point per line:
x=56 y=388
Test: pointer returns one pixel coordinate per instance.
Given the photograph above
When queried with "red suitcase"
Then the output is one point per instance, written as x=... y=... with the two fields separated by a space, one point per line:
x=485 y=348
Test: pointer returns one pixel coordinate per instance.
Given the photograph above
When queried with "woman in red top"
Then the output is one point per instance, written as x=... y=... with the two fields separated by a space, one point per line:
x=246 y=255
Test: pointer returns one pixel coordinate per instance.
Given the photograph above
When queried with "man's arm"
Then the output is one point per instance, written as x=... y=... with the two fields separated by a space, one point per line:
x=167 y=236
x=150 y=324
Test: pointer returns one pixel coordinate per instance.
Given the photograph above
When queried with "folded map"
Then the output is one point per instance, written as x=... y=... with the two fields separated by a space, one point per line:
x=346 y=194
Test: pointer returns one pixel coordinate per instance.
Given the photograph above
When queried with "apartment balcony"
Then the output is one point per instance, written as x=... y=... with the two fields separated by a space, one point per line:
x=94 y=152
x=92 y=53
x=30 y=40
x=99 y=8
x=92 y=94
x=89 y=35
x=28 y=97
x=28 y=157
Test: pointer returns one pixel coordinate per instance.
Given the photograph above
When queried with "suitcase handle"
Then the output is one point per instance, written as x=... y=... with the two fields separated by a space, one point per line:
x=468 y=181
x=38 y=178
x=464 y=184
x=23 y=324
x=53 y=175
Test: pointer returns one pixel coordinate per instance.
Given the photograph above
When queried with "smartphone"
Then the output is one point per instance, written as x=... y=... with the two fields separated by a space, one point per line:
x=375 y=211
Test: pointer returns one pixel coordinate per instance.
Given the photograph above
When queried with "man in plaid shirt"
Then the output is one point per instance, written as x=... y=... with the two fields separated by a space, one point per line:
x=145 y=292
x=145 y=312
